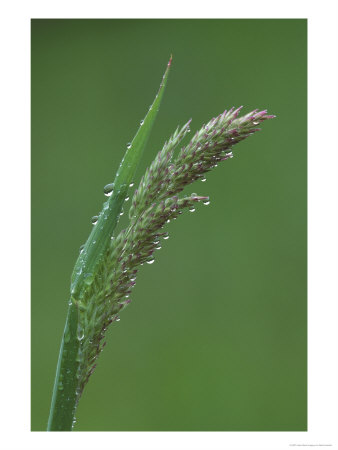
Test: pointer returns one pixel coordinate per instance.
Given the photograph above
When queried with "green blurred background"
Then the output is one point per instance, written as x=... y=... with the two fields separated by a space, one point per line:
x=215 y=338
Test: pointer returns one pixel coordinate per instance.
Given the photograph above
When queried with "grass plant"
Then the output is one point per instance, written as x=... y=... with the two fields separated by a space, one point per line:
x=107 y=267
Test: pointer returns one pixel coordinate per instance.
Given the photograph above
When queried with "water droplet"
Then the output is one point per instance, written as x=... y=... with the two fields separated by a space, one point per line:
x=150 y=261
x=255 y=123
x=203 y=179
x=129 y=145
x=158 y=247
x=108 y=189
x=166 y=236
x=131 y=185
x=112 y=238
x=121 y=213
x=60 y=386
x=126 y=199
x=168 y=221
x=80 y=333
x=88 y=278
x=191 y=209
x=193 y=195
x=81 y=248
x=95 y=219
x=206 y=202
x=141 y=123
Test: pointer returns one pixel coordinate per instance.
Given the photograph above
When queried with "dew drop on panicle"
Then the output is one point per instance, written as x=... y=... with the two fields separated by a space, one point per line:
x=131 y=184
x=95 y=219
x=121 y=213
x=126 y=199
x=193 y=195
x=191 y=209
x=108 y=189
x=255 y=123
x=203 y=179
x=150 y=261
x=206 y=202
x=166 y=236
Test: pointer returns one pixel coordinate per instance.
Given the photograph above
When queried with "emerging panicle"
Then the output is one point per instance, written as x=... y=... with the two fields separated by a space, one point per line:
x=154 y=204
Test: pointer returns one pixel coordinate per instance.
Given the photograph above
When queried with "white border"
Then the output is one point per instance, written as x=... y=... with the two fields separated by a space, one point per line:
x=323 y=224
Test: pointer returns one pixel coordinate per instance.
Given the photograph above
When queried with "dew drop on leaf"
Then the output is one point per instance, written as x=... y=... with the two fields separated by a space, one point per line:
x=89 y=278
x=108 y=189
x=95 y=219
x=80 y=333
x=129 y=145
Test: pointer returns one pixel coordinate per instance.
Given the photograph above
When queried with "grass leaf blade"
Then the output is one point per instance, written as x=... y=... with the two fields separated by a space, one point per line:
x=66 y=388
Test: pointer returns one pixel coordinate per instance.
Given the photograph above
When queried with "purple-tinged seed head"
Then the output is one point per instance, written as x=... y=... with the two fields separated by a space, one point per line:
x=236 y=112
x=260 y=113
